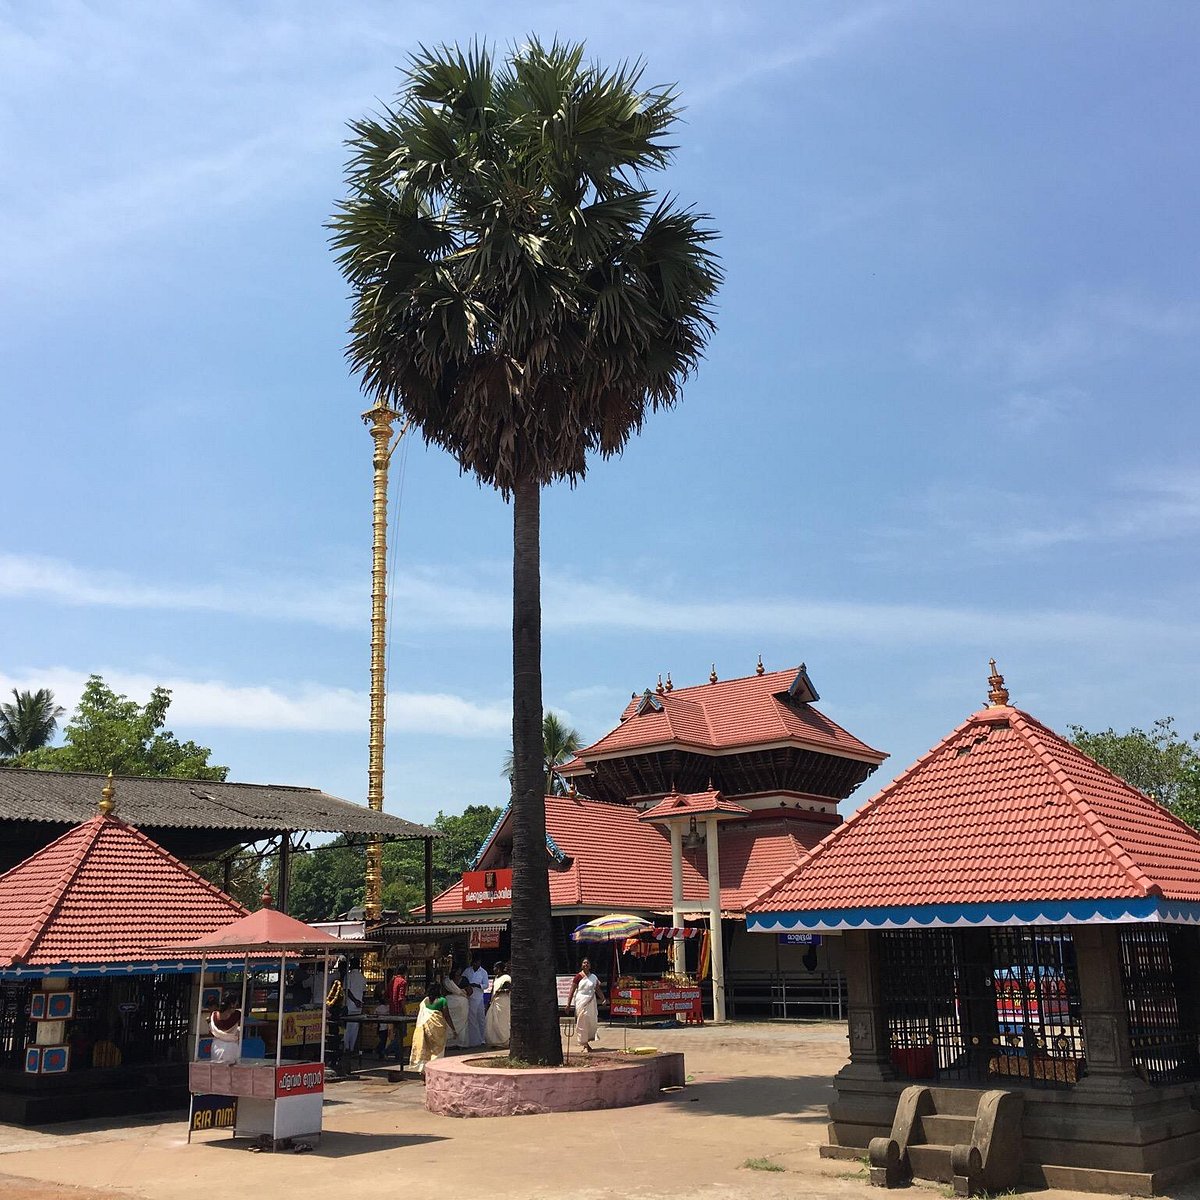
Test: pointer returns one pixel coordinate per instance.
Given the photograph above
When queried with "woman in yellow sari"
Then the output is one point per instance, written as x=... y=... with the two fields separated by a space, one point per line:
x=429 y=1036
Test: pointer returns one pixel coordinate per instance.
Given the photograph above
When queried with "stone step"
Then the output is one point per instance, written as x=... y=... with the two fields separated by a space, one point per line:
x=931 y=1161
x=956 y=1102
x=945 y=1130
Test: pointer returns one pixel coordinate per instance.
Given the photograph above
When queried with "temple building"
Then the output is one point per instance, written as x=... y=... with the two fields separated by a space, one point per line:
x=689 y=807
x=94 y=1020
x=1021 y=956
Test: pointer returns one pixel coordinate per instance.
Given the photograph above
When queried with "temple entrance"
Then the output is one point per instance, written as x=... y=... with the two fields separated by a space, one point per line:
x=998 y=1005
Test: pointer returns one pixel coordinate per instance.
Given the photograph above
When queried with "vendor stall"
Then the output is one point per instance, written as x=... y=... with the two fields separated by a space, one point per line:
x=267 y=1095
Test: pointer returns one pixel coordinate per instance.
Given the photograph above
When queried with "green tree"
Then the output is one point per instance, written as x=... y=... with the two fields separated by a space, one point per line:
x=28 y=723
x=560 y=743
x=523 y=299
x=110 y=732
x=1159 y=761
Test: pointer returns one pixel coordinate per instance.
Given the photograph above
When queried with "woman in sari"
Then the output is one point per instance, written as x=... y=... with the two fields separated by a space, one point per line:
x=499 y=1014
x=225 y=1026
x=429 y=1036
x=586 y=996
x=459 y=1007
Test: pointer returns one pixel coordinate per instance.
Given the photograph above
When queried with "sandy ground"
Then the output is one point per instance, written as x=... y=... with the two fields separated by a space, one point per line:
x=754 y=1092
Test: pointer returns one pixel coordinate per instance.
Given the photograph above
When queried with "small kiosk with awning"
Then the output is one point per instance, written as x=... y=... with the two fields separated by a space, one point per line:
x=272 y=1098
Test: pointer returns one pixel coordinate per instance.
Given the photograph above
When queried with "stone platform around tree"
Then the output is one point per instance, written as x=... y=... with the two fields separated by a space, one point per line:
x=464 y=1087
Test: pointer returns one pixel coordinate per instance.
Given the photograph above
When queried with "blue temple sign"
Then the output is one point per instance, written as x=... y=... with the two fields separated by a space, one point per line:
x=799 y=939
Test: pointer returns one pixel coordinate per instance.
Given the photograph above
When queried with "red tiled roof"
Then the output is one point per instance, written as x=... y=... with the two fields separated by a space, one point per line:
x=620 y=862
x=1001 y=810
x=693 y=804
x=732 y=714
x=104 y=893
x=266 y=928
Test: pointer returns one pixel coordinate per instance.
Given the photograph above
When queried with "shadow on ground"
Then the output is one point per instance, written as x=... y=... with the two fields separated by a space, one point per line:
x=333 y=1144
x=802 y=1099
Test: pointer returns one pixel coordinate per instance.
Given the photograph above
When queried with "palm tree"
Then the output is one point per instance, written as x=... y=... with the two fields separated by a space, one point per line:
x=559 y=744
x=522 y=299
x=29 y=723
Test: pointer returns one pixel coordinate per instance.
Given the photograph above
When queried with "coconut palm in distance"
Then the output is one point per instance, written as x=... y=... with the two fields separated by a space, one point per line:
x=524 y=300
x=29 y=723
x=559 y=744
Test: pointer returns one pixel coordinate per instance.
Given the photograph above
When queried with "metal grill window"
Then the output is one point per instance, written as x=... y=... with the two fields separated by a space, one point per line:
x=997 y=1005
x=1159 y=1002
x=15 y=1026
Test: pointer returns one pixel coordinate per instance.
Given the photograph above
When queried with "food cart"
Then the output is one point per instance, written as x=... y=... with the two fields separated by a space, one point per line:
x=273 y=1098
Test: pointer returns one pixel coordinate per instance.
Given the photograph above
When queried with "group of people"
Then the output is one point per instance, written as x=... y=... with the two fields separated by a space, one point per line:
x=461 y=1009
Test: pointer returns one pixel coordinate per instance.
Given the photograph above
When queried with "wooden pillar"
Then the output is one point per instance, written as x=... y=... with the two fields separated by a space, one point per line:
x=714 y=921
x=285 y=864
x=1102 y=1007
x=869 y=1051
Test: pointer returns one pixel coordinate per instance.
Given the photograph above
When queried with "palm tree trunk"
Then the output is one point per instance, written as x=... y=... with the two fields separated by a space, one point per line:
x=535 y=1036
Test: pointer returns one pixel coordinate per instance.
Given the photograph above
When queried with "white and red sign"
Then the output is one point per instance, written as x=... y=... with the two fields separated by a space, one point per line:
x=487 y=889
x=299 y=1079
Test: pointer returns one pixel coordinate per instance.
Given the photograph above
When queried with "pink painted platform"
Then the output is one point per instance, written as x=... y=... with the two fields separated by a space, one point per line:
x=459 y=1087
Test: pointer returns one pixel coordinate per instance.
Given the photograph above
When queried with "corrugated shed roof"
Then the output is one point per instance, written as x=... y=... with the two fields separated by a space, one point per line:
x=68 y=797
x=104 y=893
x=618 y=861
x=1003 y=809
x=732 y=714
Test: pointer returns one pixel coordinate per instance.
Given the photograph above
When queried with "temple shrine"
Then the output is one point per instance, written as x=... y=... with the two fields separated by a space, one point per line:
x=682 y=813
x=1020 y=948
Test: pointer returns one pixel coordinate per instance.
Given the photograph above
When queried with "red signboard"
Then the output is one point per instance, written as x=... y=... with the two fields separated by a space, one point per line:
x=654 y=1000
x=487 y=889
x=484 y=939
x=299 y=1079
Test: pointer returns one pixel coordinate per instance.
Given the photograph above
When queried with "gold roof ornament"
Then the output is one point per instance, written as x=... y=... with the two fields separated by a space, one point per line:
x=660 y=689
x=106 y=803
x=712 y=675
x=760 y=669
x=998 y=695
x=670 y=685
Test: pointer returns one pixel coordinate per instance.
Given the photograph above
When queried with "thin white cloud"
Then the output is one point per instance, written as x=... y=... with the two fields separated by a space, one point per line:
x=301 y=708
x=433 y=600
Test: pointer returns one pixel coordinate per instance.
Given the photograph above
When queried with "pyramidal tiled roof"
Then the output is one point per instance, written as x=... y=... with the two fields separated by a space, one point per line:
x=1003 y=810
x=731 y=714
x=693 y=804
x=618 y=861
x=104 y=893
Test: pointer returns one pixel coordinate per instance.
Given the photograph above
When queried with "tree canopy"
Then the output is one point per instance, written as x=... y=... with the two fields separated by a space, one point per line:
x=110 y=732
x=559 y=744
x=28 y=723
x=330 y=879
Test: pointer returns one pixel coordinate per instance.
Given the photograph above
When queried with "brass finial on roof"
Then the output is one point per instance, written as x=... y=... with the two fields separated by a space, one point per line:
x=712 y=675
x=106 y=803
x=660 y=689
x=998 y=695
x=268 y=901
x=670 y=685
x=760 y=669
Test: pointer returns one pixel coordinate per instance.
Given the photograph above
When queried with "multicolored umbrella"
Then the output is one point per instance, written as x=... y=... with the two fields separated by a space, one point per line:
x=615 y=927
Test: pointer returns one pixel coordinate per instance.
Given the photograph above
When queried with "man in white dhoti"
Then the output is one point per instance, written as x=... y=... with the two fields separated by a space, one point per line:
x=225 y=1025
x=354 y=990
x=475 y=978
x=586 y=997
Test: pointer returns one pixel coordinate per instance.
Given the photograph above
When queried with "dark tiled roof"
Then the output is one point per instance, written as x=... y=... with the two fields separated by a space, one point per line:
x=69 y=797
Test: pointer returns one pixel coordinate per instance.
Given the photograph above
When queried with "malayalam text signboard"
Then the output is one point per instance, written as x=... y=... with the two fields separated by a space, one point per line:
x=302 y=1079
x=649 y=1001
x=799 y=939
x=487 y=889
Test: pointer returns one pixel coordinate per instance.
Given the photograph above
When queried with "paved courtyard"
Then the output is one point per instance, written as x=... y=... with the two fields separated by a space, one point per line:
x=755 y=1092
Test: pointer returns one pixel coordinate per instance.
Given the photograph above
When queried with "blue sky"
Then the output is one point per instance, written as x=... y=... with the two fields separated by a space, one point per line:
x=949 y=412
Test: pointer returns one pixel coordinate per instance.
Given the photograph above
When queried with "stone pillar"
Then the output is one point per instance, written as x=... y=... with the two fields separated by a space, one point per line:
x=677 y=893
x=869 y=1056
x=714 y=920
x=1102 y=1007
